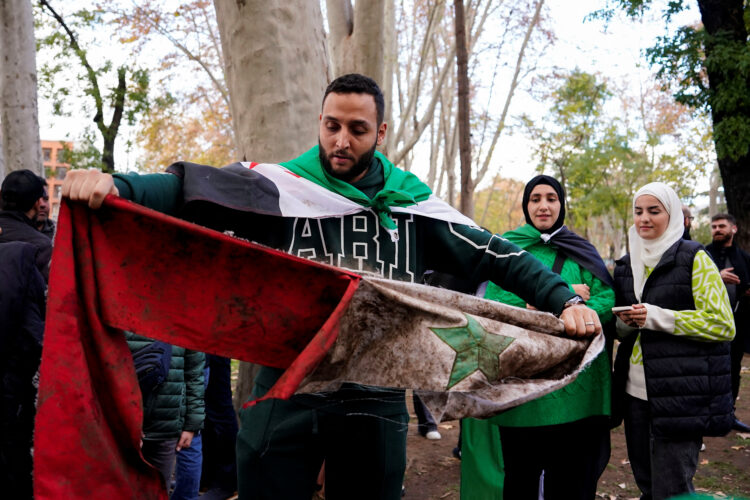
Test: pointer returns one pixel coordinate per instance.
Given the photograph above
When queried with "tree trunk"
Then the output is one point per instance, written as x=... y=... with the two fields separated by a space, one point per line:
x=464 y=134
x=390 y=61
x=726 y=52
x=714 y=198
x=245 y=380
x=2 y=157
x=357 y=37
x=19 y=116
x=276 y=70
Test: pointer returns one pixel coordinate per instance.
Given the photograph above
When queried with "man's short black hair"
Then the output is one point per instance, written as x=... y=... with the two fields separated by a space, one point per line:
x=728 y=217
x=354 y=83
x=20 y=190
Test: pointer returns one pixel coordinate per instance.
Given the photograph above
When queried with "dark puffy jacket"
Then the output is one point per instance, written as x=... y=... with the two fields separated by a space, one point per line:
x=17 y=227
x=687 y=381
x=177 y=404
x=22 y=304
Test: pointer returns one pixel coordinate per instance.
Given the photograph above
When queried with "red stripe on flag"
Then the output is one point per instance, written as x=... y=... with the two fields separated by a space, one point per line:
x=126 y=267
x=313 y=354
x=253 y=165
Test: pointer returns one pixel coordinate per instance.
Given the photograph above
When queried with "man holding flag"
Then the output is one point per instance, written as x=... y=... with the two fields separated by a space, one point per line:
x=341 y=203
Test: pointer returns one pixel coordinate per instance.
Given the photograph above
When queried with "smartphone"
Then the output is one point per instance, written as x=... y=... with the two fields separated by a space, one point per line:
x=621 y=309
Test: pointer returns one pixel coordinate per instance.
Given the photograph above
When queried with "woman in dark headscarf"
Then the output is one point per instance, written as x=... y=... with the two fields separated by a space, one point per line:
x=564 y=436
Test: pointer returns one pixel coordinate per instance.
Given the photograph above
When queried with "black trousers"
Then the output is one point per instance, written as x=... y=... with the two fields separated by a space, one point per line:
x=572 y=456
x=425 y=420
x=282 y=444
x=662 y=467
x=220 y=428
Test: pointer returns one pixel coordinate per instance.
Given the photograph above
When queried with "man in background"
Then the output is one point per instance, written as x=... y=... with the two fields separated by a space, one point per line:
x=44 y=224
x=20 y=196
x=734 y=266
x=688 y=221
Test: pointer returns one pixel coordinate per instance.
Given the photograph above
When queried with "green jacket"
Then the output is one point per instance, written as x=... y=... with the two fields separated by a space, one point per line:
x=589 y=394
x=358 y=242
x=177 y=404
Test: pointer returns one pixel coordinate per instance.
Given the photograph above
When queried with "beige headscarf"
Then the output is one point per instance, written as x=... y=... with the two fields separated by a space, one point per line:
x=648 y=252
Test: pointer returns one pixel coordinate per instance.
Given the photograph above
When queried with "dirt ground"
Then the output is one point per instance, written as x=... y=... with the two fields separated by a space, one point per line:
x=724 y=471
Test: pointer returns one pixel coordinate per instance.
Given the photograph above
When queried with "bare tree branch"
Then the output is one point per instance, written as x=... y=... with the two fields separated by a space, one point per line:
x=514 y=84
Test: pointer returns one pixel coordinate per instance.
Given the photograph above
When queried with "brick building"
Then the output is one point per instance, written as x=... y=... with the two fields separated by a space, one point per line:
x=54 y=171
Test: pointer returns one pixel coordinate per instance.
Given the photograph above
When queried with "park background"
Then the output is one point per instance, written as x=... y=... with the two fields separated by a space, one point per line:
x=605 y=95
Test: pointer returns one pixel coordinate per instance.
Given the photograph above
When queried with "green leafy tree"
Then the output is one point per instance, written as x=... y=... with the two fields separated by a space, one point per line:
x=599 y=160
x=709 y=64
x=126 y=100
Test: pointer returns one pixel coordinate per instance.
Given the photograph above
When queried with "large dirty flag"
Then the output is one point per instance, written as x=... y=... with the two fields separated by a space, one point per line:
x=126 y=267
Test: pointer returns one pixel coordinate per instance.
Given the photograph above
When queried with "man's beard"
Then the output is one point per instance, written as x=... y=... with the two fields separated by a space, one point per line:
x=722 y=238
x=361 y=165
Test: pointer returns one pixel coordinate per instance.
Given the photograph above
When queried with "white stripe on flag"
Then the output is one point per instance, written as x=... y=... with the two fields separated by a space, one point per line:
x=299 y=197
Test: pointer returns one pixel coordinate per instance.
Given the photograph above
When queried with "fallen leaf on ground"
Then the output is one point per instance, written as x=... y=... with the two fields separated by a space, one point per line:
x=622 y=485
x=447 y=427
x=704 y=461
x=625 y=461
x=744 y=435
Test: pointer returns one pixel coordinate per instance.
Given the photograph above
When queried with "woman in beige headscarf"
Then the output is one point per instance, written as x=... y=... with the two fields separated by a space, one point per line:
x=672 y=372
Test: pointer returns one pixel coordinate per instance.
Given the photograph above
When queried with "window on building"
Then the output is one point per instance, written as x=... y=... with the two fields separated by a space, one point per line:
x=47 y=154
x=60 y=172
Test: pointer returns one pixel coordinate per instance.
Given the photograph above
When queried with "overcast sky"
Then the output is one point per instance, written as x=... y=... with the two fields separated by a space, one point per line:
x=615 y=53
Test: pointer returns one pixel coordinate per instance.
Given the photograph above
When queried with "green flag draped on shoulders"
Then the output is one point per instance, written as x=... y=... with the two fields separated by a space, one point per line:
x=401 y=189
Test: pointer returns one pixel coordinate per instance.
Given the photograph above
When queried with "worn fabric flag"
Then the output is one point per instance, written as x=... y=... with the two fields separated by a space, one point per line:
x=302 y=188
x=125 y=267
x=467 y=357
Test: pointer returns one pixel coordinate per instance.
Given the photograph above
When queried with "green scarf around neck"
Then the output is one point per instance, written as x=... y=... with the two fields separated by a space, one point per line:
x=524 y=236
x=401 y=189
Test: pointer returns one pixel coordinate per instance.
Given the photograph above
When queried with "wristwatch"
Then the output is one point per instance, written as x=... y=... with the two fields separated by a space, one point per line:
x=574 y=301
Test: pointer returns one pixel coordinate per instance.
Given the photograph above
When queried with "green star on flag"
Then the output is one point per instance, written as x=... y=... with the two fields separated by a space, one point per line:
x=476 y=349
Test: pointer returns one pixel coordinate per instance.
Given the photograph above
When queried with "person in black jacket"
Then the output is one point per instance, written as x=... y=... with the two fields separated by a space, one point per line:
x=21 y=193
x=22 y=305
x=734 y=266
x=672 y=371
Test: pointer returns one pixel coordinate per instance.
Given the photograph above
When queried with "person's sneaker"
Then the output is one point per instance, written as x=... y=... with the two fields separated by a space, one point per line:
x=740 y=426
x=457 y=452
x=703 y=446
x=433 y=435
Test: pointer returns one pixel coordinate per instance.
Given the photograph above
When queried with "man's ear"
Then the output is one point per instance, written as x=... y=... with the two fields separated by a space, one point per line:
x=381 y=133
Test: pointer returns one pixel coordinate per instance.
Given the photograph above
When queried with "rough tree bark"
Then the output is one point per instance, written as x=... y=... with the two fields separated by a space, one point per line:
x=19 y=116
x=2 y=157
x=724 y=23
x=357 y=38
x=276 y=70
x=390 y=62
x=464 y=134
